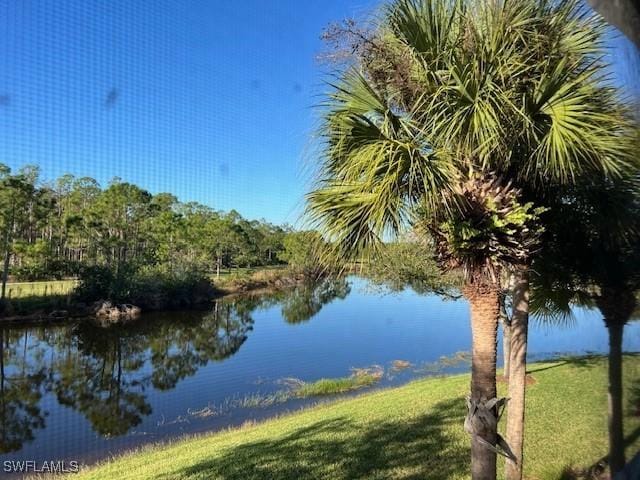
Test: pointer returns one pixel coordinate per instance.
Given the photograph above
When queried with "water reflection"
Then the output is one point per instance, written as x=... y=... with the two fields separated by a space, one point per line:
x=305 y=302
x=97 y=375
x=81 y=392
x=106 y=374
x=21 y=388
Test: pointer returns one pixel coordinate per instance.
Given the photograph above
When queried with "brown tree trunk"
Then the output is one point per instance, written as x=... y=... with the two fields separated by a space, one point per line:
x=5 y=271
x=505 y=321
x=484 y=303
x=616 y=431
x=7 y=256
x=517 y=374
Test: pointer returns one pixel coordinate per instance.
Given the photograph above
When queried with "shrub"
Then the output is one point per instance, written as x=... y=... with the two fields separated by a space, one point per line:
x=149 y=286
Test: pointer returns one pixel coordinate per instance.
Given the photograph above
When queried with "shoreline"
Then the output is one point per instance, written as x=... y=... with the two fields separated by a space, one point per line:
x=258 y=283
x=422 y=409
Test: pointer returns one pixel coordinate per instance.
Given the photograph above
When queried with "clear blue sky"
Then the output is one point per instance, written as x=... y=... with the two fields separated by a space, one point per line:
x=211 y=100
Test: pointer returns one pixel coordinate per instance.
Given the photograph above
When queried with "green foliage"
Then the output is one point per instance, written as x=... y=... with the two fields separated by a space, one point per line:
x=410 y=262
x=333 y=386
x=35 y=261
x=103 y=282
x=445 y=98
x=122 y=235
x=591 y=253
x=491 y=228
x=302 y=249
x=148 y=286
x=20 y=202
x=377 y=166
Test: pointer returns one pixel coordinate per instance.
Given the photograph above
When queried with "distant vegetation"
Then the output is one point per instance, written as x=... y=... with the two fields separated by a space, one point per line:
x=410 y=262
x=124 y=244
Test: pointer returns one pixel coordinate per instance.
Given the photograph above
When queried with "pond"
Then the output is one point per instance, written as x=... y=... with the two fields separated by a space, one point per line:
x=79 y=392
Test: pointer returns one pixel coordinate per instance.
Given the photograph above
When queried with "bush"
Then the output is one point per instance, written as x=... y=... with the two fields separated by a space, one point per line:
x=183 y=286
x=150 y=287
x=105 y=283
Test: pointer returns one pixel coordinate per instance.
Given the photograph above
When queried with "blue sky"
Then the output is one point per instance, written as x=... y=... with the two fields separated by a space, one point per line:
x=210 y=100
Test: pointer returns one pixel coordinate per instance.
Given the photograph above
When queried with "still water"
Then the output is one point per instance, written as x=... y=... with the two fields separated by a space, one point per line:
x=80 y=392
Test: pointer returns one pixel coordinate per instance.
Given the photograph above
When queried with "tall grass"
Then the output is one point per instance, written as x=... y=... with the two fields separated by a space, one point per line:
x=362 y=377
x=18 y=290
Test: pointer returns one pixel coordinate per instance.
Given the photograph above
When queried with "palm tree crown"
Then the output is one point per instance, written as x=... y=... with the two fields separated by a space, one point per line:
x=508 y=96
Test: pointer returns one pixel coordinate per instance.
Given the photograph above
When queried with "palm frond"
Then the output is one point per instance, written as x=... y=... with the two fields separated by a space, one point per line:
x=510 y=89
x=577 y=128
x=378 y=166
x=430 y=27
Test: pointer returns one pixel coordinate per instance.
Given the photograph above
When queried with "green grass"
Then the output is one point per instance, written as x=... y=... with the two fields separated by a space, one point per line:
x=245 y=271
x=33 y=290
x=17 y=290
x=241 y=280
x=414 y=431
x=295 y=388
x=331 y=386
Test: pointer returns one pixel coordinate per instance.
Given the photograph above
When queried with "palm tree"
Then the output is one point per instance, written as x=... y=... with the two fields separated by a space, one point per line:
x=456 y=117
x=592 y=254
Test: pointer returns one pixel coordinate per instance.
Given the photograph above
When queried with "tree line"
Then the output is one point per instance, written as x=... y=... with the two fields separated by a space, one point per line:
x=56 y=229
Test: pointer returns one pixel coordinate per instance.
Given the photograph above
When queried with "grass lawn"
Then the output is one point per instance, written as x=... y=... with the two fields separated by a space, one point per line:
x=16 y=290
x=245 y=279
x=19 y=290
x=230 y=274
x=414 y=431
x=46 y=288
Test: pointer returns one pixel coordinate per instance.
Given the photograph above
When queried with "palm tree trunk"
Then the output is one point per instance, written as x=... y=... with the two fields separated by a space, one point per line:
x=616 y=432
x=484 y=302
x=617 y=305
x=517 y=373
x=506 y=338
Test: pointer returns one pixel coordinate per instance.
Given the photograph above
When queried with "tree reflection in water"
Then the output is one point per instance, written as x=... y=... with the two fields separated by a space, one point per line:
x=21 y=388
x=307 y=300
x=106 y=373
x=100 y=378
